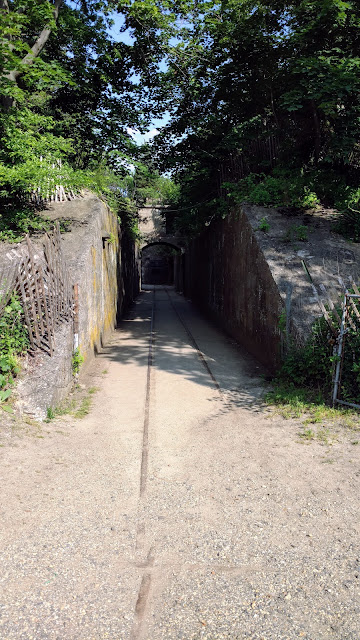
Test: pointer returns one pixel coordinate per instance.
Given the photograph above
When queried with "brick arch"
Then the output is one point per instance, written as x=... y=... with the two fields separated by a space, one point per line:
x=167 y=243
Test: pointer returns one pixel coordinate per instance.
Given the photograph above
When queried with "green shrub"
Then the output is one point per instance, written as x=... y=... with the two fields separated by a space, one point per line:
x=280 y=188
x=77 y=360
x=18 y=217
x=296 y=233
x=14 y=340
x=350 y=378
x=303 y=189
x=311 y=366
x=349 y=222
x=264 y=225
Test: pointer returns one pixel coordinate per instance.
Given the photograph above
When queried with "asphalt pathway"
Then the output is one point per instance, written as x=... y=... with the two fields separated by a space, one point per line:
x=178 y=508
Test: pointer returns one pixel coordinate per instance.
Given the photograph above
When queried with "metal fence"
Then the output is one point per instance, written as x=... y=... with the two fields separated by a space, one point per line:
x=41 y=279
x=50 y=192
x=260 y=154
x=58 y=194
x=347 y=345
x=342 y=315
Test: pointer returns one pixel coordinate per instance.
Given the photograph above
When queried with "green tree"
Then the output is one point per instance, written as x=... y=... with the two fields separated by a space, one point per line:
x=229 y=73
x=241 y=70
x=68 y=100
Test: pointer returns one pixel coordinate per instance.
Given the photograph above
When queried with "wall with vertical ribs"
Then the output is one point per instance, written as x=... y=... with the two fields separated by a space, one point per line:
x=263 y=283
x=227 y=275
x=102 y=262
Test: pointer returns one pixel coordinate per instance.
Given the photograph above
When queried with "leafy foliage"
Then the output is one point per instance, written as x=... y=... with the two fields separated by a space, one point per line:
x=229 y=74
x=289 y=188
x=14 y=340
x=68 y=101
x=77 y=360
x=311 y=366
x=308 y=366
x=243 y=70
x=350 y=379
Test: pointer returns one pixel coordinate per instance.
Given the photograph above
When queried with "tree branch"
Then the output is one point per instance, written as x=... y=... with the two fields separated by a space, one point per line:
x=4 y=6
x=37 y=46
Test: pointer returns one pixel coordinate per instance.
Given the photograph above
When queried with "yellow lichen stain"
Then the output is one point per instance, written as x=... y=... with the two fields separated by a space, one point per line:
x=93 y=255
x=95 y=337
x=110 y=285
x=102 y=300
x=109 y=319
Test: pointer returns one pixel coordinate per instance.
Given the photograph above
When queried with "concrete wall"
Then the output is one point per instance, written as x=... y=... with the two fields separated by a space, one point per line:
x=179 y=271
x=332 y=262
x=227 y=275
x=103 y=263
x=151 y=223
x=247 y=279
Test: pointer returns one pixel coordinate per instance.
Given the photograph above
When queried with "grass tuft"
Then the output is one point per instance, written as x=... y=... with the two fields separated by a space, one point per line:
x=73 y=407
x=291 y=402
x=84 y=408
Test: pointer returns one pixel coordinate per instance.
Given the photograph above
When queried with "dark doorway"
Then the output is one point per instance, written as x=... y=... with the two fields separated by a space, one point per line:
x=157 y=264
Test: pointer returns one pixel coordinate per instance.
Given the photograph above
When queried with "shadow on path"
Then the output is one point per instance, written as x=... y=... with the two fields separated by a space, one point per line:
x=236 y=372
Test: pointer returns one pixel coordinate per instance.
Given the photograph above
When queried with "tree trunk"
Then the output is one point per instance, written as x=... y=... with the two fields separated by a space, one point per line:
x=6 y=101
x=317 y=130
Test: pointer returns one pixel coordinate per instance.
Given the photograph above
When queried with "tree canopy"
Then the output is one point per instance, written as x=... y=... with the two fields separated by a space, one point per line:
x=234 y=76
x=245 y=71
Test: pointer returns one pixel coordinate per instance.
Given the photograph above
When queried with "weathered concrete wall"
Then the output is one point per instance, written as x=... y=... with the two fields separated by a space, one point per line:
x=44 y=382
x=179 y=271
x=151 y=223
x=228 y=276
x=102 y=262
x=247 y=279
x=294 y=240
x=94 y=255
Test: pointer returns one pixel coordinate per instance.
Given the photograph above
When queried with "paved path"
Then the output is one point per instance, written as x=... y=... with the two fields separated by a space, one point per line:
x=178 y=508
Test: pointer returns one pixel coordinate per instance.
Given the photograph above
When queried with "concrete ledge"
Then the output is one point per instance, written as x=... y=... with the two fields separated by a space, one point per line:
x=102 y=262
x=247 y=279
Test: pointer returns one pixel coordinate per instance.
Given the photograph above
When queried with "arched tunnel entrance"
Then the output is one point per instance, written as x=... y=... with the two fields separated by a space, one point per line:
x=160 y=264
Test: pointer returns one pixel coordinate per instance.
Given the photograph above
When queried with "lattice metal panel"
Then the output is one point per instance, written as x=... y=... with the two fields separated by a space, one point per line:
x=7 y=285
x=42 y=281
x=348 y=351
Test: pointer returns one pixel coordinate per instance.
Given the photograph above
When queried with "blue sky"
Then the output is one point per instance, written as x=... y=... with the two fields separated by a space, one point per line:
x=157 y=122
x=119 y=36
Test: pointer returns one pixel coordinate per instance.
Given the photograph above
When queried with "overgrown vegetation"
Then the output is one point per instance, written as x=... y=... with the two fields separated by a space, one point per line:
x=230 y=75
x=76 y=361
x=248 y=70
x=282 y=188
x=77 y=406
x=309 y=366
x=305 y=380
x=69 y=100
x=14 y=341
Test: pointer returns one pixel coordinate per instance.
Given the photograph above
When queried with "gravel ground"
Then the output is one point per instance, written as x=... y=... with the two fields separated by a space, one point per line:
x=243 y=530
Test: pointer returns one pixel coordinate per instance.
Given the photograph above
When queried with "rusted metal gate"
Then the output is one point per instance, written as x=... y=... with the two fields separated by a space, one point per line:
x=42 y=282
x=348 y=345
x=343 y=319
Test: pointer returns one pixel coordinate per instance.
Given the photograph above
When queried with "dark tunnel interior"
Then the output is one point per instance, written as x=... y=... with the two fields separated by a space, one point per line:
x=157 y=264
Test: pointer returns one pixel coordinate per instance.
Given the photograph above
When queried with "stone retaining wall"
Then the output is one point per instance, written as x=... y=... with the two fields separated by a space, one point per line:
x=251 y=277
x=102 y=261
x=229 y=278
